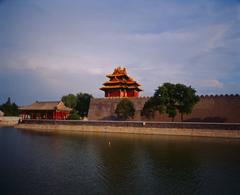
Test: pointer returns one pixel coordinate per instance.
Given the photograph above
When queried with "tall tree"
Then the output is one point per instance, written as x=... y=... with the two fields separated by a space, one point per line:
x=125 y=109
x=170 y=98
x=83 y=101
x=152 y=105
x=165 y=99
x=70 y=100
x=186 y=98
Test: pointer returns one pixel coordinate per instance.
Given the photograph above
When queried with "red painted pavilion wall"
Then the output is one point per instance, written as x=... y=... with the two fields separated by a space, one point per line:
x=130 y=93
x=55 y=115
x=112 y=93
x=121 y=93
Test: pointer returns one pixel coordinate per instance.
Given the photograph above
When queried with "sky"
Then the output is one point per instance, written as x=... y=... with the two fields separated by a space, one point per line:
x=49 y=48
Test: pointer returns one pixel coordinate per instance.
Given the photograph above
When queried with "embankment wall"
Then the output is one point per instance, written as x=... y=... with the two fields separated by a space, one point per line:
x=218 y=108
x=8 y=120
x=226 y=130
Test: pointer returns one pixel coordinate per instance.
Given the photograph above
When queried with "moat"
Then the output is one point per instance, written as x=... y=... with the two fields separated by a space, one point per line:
x=95 y=163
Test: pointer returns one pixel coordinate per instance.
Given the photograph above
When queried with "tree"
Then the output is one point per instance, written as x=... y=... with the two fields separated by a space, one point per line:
x=170 y=98
x=186 y=99
x=9 y=109
x=70 y=100
x=79 y=103
x=73 y=116
x=83 y=101
x=149 y=108
x=165 y=100
x=125 y=109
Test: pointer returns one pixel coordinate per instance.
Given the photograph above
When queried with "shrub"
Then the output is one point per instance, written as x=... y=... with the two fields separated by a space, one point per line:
x=125 y=109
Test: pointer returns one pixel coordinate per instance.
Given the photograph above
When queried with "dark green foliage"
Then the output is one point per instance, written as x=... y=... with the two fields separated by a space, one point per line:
x=83 y=100
x=125 y=109
x=79 y=103
x=9 y=109
x=73 y=116
x=186 y=99
x=70 y=100
x=170 y=98
x=149 y=108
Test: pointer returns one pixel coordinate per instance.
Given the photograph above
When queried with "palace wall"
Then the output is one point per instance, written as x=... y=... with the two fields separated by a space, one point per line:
x=218 y=108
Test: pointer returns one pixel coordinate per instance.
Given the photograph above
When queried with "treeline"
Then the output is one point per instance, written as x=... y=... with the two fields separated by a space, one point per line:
x=79 y=103
x=9 y=108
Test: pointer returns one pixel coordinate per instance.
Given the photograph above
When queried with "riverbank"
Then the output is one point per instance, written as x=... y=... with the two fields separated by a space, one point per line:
x=221 y=130
x=8 y=120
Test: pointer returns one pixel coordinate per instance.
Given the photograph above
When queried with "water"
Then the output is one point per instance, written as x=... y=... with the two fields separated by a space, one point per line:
x=43 y=163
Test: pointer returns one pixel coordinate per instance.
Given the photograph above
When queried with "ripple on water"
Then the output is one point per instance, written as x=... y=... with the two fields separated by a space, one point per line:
x=33 y=163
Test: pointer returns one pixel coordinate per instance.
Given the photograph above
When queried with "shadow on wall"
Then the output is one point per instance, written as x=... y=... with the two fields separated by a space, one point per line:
x=207 y=119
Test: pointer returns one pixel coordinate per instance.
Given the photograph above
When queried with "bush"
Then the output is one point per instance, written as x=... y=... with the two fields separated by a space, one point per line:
x=73 y=116
x=125 y=109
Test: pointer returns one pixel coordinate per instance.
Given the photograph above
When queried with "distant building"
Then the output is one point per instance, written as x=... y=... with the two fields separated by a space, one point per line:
x=1 y=113
x=55 y=110
x=120 y=84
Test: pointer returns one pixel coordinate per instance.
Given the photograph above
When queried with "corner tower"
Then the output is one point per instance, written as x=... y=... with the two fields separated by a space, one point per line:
x=120 y=84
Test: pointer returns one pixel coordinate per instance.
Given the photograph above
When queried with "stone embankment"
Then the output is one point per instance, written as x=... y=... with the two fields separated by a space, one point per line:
x=8 y=120
x=223 y=130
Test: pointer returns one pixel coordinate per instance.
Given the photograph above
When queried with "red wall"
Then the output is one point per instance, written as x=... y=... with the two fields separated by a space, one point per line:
x=116 y=93
x=112 y=93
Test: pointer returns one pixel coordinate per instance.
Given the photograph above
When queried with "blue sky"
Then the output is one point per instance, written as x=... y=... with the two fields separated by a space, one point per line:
x=49 y=48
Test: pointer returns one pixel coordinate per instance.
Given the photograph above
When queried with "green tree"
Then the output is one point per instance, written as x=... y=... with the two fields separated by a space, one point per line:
x=73 y=116
x=83 y=101
x=170 y=98
x=70 y=100
x=165 y=100
x=186 y=98
x=125 y=109
x=9 y=109
x=150 y=107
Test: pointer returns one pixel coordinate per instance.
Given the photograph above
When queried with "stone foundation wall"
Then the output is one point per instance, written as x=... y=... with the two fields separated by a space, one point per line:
x=222 y=108
x=227 y=130
x=8 y=120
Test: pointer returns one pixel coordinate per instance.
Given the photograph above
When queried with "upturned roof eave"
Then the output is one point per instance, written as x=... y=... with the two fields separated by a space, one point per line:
x=120 y=87
x=122 y=82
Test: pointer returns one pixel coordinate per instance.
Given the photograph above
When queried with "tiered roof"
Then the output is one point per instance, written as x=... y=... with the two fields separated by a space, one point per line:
x=119 y=79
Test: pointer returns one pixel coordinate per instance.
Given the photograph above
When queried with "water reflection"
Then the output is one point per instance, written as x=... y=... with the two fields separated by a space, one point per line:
x=130 y=164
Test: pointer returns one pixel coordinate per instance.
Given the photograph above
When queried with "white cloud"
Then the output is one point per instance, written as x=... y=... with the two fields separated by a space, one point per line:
x=210 y=83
